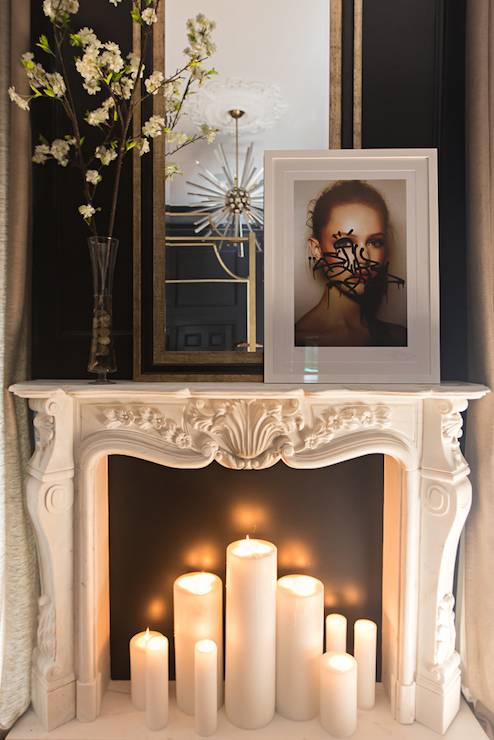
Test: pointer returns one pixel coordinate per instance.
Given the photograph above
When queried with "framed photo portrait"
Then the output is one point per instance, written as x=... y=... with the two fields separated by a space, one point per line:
x=351 y=266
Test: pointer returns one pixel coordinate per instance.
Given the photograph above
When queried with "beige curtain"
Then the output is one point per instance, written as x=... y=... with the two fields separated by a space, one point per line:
x=17 y=562
x=478 y=542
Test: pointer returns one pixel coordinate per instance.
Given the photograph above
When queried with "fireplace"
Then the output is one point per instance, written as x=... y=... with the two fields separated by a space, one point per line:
x=426 y=500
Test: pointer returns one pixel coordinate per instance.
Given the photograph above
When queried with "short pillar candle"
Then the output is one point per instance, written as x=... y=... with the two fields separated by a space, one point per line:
x=338 y=712
x=336 y=629
x=205 y=687
x=137 y=649
x=197 y=615
x=157 y=682
x=365 y=635
x=250 y=670
x=299 y=645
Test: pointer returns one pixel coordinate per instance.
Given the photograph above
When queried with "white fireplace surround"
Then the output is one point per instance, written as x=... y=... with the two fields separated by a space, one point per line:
x=248 y=427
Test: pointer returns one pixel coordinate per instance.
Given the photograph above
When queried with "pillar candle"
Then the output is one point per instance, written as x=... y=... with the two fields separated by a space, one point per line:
x=336 y=626
x=250 y=671
x=197 y=615
x=205 y=687
x=338 y=712
x=365 y=633
x=137 y=649
x=157 y=682
x=299 y=645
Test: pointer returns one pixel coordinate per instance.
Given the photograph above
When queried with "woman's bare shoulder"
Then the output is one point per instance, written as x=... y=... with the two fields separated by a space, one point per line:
x=307 y=321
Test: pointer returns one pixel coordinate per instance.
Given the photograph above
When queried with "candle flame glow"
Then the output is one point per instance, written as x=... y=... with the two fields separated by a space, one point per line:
x=251 y=548
x=206 y=646
x=332 y=618
x=197 y=583
x=365 y=625
x=341 y=662
x=300 y=585
x=156 y=643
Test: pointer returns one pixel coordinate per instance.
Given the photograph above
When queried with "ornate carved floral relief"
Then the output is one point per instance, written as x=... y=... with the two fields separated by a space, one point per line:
x=248 y=433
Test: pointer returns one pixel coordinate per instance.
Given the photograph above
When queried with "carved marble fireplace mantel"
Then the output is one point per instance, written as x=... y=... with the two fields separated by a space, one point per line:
x=248 y=427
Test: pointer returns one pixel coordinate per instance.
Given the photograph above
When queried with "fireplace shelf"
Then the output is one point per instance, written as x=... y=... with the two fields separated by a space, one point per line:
x=120 y=721
x=250 y=426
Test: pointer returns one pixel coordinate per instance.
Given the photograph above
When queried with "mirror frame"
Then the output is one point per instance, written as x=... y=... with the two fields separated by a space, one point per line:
x=151 y=360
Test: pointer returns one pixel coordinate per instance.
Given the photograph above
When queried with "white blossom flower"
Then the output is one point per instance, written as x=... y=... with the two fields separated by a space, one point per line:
x=123 y=88
x=59 y=150
x=209 y=133
x=133 y=61
x=171 y=170
x=149 y=16
x=88 y=37
x=41 y=153
x=57 y=84
x=199 y=36
x=87 y=212
x=93 y=176
x=115 y=2
x=100 y=115
x=27 y=57
x=143 y=146
x=37 y=75
x=154 y=82
x=88 y=66
x=105 y=154
x=154 y=127
x=176 y=139
x=111 y=58
x=18 y=99
x=57 y=9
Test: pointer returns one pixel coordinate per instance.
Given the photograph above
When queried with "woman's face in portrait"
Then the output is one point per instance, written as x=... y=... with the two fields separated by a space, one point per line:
x=353 y=236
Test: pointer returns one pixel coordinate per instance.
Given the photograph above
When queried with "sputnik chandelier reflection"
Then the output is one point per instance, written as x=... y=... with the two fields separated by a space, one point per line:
x=234 y=203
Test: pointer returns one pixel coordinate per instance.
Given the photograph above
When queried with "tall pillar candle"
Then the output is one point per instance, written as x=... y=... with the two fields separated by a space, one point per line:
x=365 y=636
x=338 y=697
x=197 y=615
x=250 y=633
x=336 y=628
x=157 y=682
x=299 y=645
x=137 y=649
x=205 y=687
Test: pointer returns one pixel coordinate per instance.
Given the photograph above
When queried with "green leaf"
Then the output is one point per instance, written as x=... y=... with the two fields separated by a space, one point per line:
x=37 y=93
x=115 y=114
x=44 y=44
x=108 y=78
x=130 y=144
x=49 y=92
x=135 y=14
x=75 y=39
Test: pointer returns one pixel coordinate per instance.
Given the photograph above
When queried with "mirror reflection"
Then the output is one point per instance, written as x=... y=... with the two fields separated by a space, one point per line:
x=270 y=90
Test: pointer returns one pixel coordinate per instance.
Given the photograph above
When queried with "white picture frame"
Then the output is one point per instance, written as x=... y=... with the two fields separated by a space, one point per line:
x=409 y=177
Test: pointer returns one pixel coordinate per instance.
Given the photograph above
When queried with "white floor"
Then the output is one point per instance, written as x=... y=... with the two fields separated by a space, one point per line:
x=120 y=721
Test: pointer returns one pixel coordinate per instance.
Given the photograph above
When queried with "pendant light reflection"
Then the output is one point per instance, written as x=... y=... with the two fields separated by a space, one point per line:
x=234 y=201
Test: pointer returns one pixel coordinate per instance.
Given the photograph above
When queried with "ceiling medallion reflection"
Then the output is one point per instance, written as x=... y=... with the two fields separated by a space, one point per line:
x=263 y=104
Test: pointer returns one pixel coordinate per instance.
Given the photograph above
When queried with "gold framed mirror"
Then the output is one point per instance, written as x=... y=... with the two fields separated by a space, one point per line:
x=198 y=238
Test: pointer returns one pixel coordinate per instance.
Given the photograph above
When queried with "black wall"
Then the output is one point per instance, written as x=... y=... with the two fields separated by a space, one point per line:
x=413 y=96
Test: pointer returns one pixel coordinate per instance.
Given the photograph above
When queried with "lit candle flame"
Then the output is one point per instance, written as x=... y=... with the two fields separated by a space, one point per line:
x=251 y=548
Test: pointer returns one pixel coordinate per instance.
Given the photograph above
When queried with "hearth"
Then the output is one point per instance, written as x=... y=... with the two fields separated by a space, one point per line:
x=426 y=501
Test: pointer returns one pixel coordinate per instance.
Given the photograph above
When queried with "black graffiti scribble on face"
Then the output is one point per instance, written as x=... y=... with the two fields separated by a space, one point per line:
x=348 y=267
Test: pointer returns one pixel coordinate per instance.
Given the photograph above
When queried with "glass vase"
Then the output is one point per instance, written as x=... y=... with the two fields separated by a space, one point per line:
x=102 y=360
